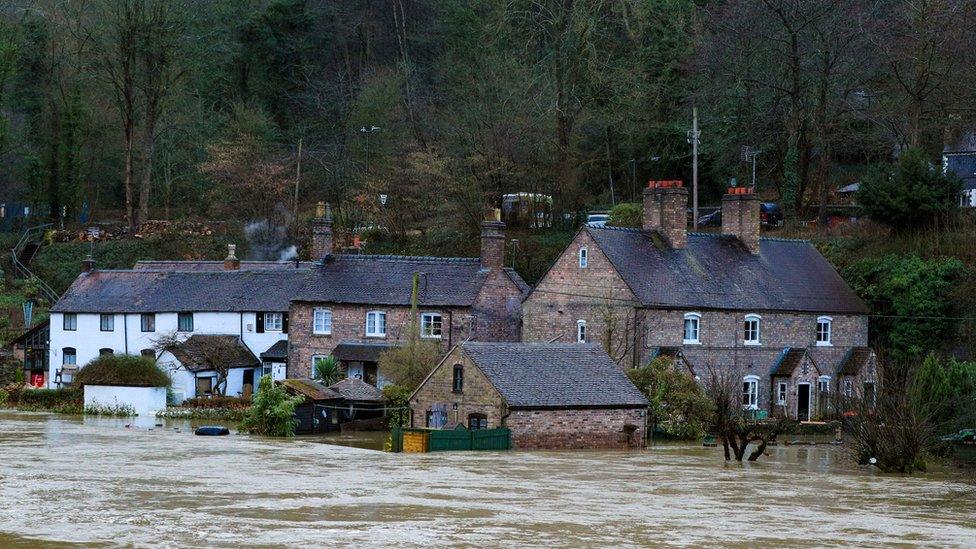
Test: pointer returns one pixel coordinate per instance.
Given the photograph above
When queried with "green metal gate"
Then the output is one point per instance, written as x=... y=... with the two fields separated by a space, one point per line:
x=459 y=439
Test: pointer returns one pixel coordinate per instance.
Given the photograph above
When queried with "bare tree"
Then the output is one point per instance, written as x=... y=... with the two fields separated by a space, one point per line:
x=734 y=424
x=218 y=353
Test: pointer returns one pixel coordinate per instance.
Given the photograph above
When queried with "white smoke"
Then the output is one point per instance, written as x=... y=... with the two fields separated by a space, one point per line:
x=289 y=253
x=266 y=242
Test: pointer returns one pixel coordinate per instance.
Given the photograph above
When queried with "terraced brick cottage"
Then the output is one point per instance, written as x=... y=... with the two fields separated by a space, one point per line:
x=771 y=310
x=354 y=307
x=550 y=395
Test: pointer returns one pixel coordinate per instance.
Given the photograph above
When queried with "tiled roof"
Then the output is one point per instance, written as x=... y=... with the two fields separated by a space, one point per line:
x=278 y=351
x=717 y=272
x=788 y=361
x=554 y=375
x=151 y=265
x=854 y=361
x=193 y=351
x=313 y=390
x=363 y=351
x=174 y=291
x=387 y=280
x=357 y=389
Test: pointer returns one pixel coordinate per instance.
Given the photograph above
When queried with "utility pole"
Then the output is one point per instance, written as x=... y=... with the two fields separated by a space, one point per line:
x=613 y=199
x=298 y=177
x=694 y=137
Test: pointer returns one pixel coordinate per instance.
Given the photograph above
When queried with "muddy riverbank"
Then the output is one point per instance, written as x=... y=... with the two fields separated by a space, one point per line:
x=97 y=483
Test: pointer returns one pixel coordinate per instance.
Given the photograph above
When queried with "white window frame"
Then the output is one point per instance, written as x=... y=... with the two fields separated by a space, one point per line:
x=829 y=322
x=758 y=320
x=580 y=331
x=753 y=393
x=584 y=257
x=848 y=387
x=782 y=390
x=823 y=384
x=321 y=321
x=696 y=319
x=274 y=322
x=376 y=331
x=427 y=319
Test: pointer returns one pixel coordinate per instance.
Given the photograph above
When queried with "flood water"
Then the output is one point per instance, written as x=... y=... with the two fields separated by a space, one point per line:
x=95 y=482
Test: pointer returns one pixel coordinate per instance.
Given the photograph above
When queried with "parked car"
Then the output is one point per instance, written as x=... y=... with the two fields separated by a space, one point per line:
x=770 y=215
x=597 y=219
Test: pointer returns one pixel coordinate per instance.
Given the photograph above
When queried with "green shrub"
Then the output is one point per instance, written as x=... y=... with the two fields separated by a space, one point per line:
x=273 y=412
x=679 y=405
x=397 y=398
x=217 y=402
x=218 y=414
x=3 y=398
x=911 y=297
x=626 y=214
x=124 y=370
x=911 y=194
x=327 y=371
x=9 y=369
x=115 y=410
x=67 y=400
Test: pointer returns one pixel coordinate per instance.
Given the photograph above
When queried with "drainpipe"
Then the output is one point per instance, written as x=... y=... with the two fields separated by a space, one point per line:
x=125 y=332
x=450 y=329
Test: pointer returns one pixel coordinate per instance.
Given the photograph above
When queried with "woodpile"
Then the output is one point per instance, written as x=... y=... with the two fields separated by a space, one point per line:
x=101 y=233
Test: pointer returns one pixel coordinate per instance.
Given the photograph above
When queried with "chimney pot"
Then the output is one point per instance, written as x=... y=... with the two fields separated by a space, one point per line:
x=231 y=263
x=740 y=216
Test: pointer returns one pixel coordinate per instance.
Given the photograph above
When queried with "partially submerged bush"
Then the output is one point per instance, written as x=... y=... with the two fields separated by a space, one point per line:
x=397 y=399
x=115 y=410
x=679 y=405
x=66 y=401
x=217 y=402
x=122 y=370
x=273 y=411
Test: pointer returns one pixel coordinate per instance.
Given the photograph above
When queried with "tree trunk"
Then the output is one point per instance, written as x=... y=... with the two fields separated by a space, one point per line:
x=148 y=149
x=128 y=131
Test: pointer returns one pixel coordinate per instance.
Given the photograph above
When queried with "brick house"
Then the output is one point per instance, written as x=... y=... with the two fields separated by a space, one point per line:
x=550 y=395
x=771 y=310
x=354 y=307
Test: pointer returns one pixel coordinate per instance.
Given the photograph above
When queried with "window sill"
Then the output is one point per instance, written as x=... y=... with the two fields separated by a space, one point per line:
x=376 y=336
x=752 y=343
x=431 y=337
x=824 y=344
x=322 y=334
x=691 y=342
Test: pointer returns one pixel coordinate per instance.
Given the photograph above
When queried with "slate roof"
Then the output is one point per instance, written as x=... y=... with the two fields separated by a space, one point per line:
x=387 y=280
x=191 y=352
x=367 y=351
x=310 y=389
x=788 y=361
x=152 y=265
x=854 y=361
x=718 y=272
x=276 y=352
x=141 y=291
x=554 y=375
x=357 y=389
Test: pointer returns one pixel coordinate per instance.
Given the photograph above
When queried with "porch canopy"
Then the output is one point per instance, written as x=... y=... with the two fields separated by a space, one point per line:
x=356 y=351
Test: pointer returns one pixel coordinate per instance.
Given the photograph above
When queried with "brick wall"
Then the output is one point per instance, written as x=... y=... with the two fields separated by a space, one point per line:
x=595 y=294
x=572 y=429
x=477 y=397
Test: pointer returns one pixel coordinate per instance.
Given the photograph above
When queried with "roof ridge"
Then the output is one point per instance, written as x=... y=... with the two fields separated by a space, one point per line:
x=412 y=258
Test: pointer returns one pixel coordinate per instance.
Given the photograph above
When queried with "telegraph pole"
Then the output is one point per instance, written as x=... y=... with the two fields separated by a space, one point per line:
x=298 y=177
x=693 y=137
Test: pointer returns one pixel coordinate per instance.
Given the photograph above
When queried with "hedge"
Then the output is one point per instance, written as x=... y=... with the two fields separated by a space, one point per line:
x=122 y=370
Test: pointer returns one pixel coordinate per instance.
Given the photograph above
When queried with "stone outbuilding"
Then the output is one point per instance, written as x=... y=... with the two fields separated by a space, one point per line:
x=550 y=395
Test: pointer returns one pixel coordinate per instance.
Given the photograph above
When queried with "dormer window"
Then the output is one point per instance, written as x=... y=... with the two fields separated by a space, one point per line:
x=824 y=324
x=580 y=331
x=583 y=258
x=692 y=323
x=750 y=334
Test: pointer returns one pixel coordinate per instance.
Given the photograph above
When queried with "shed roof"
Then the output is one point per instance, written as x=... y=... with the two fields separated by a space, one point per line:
x=363 y=351
x=718 y=272
x=357 y=389
x=310 y=389
x=554 y=375
x=276 y=352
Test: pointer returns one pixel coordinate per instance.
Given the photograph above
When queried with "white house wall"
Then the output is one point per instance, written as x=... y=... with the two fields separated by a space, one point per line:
x=128 y=337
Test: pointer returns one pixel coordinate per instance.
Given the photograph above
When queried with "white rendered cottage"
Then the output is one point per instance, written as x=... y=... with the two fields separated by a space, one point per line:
x=130 y=311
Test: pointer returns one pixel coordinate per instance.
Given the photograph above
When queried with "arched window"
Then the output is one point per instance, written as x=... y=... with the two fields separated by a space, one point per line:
x=580 y=331
x=692 y=324
x=750 y=392
x=823 y=331
x=69 y=356
x=458 y=385
x=750 y=334
x=584 y=258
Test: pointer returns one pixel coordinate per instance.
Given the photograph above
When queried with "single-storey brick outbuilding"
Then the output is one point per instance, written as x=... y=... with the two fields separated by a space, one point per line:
x=550 y=395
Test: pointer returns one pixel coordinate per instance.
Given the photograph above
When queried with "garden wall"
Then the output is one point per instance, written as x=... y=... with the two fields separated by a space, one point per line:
x=144 y=400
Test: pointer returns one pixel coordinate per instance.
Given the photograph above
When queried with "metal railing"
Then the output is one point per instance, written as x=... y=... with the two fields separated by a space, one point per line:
x=23 y=271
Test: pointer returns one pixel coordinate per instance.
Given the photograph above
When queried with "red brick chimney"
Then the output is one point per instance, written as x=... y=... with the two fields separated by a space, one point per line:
x=322 y=232
x=666 y=211
x=740 y=216
x=493 y=242
x=231 y=263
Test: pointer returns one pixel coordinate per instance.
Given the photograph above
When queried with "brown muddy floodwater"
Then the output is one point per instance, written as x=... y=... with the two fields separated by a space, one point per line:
x=94 y=482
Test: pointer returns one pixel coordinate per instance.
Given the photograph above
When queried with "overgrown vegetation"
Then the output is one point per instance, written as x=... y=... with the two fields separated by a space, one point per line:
x=397 y=399
x=113 y=410
x=912 y=194
x=273 y=411
x=123 y=370
x=219 y=414
x=65 y=401
x=679 y=405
